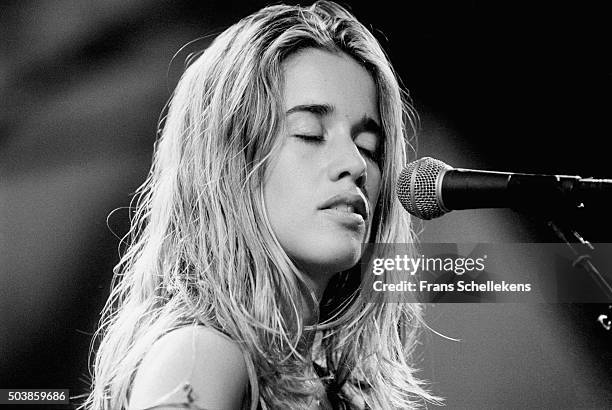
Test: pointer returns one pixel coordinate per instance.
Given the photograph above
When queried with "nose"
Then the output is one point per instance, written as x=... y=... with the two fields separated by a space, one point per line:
x=348 y=162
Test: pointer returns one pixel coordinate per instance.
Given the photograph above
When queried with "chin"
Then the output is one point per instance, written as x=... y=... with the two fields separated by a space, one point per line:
x=335 y=258
x=327 y=253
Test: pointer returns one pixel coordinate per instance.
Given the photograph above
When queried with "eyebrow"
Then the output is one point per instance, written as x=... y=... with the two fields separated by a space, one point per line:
x=366 y=124
x=319 y=109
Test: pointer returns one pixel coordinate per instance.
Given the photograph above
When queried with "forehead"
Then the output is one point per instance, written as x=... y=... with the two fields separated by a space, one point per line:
x=314 y=76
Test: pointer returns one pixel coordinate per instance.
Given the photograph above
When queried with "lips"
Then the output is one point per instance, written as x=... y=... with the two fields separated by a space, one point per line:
x=348 y=202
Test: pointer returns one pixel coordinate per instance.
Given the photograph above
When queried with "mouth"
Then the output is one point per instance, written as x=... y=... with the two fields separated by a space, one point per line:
x=348 y=203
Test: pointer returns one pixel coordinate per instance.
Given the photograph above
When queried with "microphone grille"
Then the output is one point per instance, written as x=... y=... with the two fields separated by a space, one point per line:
x=417 y=188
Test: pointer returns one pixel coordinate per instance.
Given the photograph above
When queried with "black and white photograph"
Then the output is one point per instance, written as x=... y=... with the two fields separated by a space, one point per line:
x=335 y=205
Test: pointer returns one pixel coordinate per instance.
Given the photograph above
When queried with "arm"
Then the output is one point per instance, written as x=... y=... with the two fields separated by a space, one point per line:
x=209 y=361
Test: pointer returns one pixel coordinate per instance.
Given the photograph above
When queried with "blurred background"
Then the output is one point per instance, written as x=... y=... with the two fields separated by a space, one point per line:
x=501 y=86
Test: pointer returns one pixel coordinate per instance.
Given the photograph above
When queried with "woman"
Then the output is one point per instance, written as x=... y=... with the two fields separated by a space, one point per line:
x=241 y=286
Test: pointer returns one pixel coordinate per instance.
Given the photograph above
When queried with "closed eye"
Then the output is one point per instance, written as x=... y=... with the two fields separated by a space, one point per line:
x=371 y=155
x=312 y=139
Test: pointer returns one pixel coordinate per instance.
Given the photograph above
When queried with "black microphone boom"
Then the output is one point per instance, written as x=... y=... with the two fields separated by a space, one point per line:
x=429 y=188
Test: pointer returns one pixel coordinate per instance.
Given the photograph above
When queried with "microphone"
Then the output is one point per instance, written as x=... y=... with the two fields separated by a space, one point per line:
x=428 y=188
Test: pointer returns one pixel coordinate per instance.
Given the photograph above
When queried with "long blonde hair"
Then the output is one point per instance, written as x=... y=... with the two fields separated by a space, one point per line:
x=201 y=249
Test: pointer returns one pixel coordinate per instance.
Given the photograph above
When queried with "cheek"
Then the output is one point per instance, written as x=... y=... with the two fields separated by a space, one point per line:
x=373 y=184
x=276 y=195
x=278 y=166
x=373 y=187
x=283 y=197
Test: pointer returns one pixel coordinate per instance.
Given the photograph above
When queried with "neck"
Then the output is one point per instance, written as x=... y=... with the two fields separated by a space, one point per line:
x=312 y=294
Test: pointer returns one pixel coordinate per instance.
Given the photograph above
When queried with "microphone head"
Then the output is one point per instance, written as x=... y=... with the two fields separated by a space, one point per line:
x=419 y=188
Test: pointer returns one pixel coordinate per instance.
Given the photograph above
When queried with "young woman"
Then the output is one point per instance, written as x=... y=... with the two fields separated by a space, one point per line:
x=241 y=287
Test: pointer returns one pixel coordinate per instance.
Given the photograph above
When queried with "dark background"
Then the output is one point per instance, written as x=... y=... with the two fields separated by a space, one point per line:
x=504 y=86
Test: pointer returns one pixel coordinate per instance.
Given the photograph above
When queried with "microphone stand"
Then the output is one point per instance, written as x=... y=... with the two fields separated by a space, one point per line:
x=581 y=250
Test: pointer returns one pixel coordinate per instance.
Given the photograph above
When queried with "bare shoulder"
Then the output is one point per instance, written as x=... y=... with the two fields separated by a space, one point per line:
x=204 y=359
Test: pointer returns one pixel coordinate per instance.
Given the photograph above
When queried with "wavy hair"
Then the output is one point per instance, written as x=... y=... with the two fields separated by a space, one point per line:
x=202 y=251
